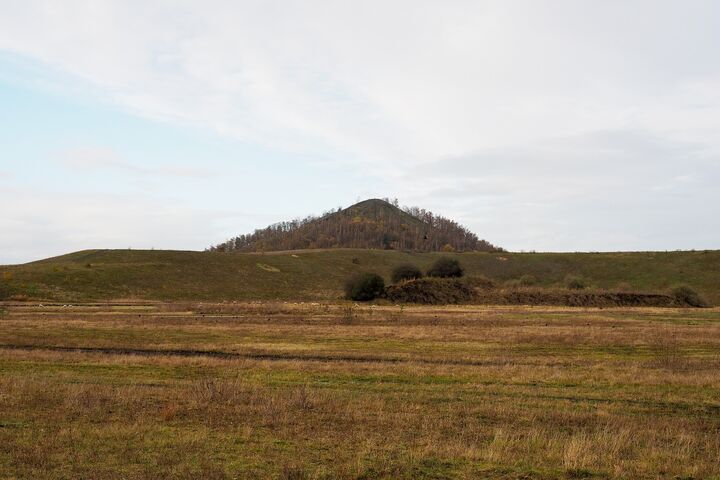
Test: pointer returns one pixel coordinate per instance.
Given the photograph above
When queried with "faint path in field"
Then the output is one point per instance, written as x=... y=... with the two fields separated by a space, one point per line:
x=273 y=356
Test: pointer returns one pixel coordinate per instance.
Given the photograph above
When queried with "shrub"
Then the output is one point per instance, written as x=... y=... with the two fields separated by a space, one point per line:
x=574 y=282
x=406 y=272
x=685 y=295
x=364 y=287
x=527 y=280
x=446 y=267
x=434 y=291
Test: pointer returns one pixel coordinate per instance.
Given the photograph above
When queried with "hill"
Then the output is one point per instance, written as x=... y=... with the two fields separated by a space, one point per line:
x=319 y=274
x=372 y=223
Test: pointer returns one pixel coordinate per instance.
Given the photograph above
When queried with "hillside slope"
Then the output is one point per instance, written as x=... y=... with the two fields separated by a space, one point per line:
x=317 y=275
x=372 y=223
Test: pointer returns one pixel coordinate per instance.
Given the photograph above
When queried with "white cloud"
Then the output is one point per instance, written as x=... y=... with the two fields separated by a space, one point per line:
x=101 y=158
x=547 y=111
x=615 y=190
x=85 y=221
x=388 y=80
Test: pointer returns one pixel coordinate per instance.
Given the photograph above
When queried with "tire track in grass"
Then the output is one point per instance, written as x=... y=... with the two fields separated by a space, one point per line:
x=273 y=356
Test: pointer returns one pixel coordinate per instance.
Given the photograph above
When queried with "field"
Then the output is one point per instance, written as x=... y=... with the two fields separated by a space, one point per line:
x=319 y=275
x=332 y=390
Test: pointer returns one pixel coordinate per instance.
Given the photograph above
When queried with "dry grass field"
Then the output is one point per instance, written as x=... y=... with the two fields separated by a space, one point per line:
x=325 y=391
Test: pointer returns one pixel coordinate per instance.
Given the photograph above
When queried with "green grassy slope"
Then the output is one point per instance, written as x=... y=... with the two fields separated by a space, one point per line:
x=310 y=275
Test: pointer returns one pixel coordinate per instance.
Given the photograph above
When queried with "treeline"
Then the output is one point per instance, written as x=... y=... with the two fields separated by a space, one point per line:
x=377 y=224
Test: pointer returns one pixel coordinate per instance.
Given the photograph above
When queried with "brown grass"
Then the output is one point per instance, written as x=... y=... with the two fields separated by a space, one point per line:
x=417 y=392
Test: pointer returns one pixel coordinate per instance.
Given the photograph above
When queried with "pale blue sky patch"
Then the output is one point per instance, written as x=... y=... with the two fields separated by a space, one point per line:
x=540 y=125
x=68 y=162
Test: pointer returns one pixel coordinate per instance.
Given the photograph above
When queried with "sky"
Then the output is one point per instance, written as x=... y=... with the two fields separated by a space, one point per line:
x=548 y=125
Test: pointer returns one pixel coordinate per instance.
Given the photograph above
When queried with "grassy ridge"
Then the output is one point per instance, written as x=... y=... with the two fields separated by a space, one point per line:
x=319 y=274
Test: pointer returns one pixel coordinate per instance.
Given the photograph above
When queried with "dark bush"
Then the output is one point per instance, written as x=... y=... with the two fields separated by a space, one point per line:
x=686 y=296
x=406 y=272
x=527 y=280
x=434 y=291
x=446 y=267
x=364 y=287
x=574 y=282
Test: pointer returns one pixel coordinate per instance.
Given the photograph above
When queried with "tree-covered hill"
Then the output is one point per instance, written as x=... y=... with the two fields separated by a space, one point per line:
x=373 y=223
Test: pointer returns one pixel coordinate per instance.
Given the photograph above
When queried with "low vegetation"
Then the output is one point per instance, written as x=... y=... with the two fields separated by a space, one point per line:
x=364 y=287
x=575 y=298
x=290 y=390
x=446 y=267
x=685 y=295
x=319 y=275
x=431 y=291
x=442 y=291
x=439 y=290
x=406 y=271
x=575 y=282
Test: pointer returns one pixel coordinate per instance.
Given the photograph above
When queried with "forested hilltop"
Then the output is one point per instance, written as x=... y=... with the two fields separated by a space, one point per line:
x=372 y=223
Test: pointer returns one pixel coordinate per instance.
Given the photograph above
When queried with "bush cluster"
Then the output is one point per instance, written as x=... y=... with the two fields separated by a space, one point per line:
x=433 y=291
x=445 y=287
x=686 y=296
x=364 y=287
x=446 y=267
x=369 y=286
x=406 y=271
x=574 y=282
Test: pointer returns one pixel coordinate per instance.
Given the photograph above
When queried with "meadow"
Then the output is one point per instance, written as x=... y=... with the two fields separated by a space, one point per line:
x=319 y=274
x=326 y=390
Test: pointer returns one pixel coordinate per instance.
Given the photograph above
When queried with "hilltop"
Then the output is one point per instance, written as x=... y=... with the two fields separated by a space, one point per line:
x=373 y=223
x=320 y=274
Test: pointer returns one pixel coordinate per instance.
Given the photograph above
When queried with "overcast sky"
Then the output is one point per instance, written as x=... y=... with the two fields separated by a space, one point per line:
x=556 y=125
